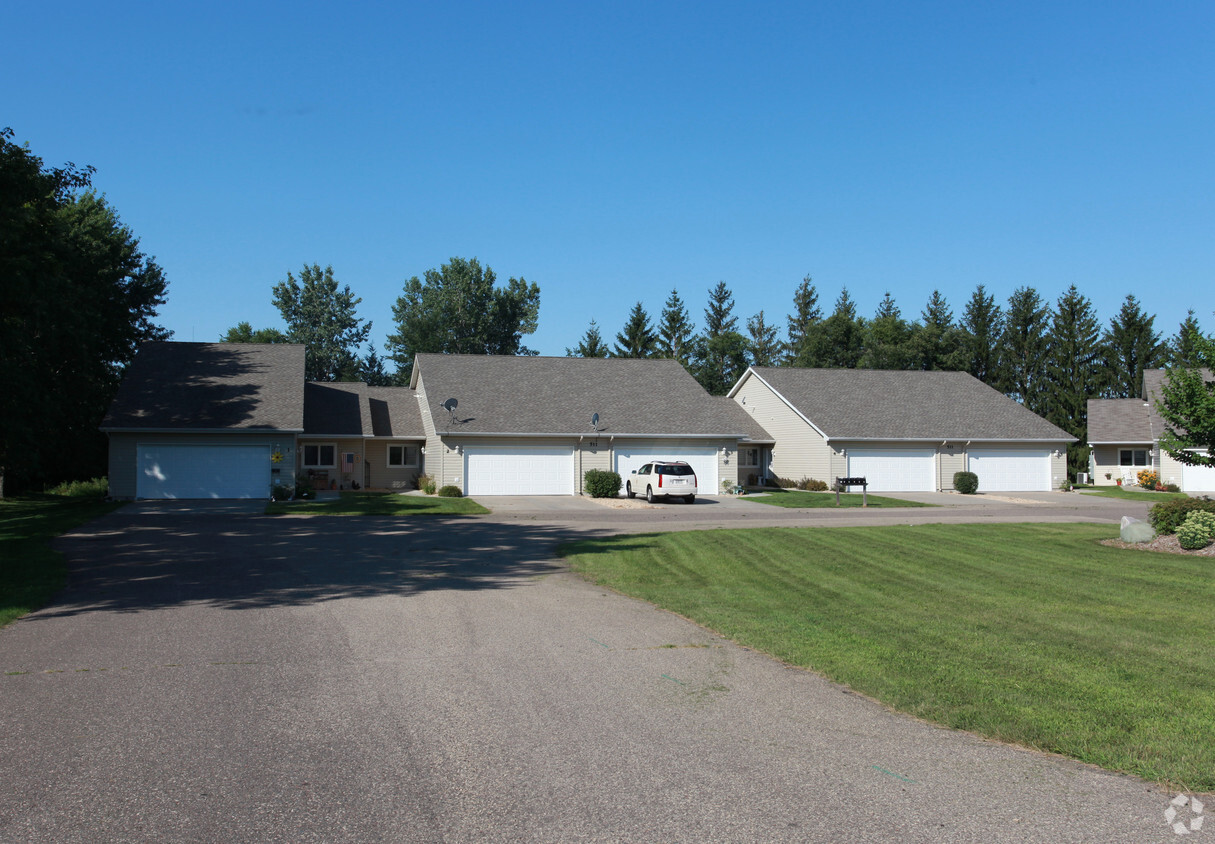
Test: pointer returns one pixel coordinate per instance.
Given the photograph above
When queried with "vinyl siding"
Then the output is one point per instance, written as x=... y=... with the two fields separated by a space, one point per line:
x=124 y=454
x=951 y=459
x=588 y=457
x=799 y=451
x=335 y=474
x=382 y=476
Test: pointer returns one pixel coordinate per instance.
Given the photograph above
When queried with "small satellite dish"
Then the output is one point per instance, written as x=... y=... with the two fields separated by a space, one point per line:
x=450 y=406
x=595 y=421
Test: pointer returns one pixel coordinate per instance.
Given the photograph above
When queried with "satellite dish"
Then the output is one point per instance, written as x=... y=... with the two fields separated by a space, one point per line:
x=450 y=405
x=595 y=421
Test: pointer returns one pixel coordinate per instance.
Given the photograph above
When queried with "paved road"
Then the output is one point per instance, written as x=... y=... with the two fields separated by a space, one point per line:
x=213 y=675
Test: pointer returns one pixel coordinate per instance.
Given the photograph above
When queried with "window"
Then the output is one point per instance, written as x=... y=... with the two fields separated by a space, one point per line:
x=402 y=456
x=748 y=457
x=319 y=456
x=1133 y=457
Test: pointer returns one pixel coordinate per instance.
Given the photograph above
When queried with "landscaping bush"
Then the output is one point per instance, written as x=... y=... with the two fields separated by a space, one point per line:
x=1197 y=530
x=1147 y=478
x=966 y=483
x=94 y=488
x=812 y=485
x=422 y=481
x=429 y=487
x=303 y=487
x=1167 y=516
x=1172 y=488
x=450 y=491
x=785 y=483
x=602 y=484
x=281 y=492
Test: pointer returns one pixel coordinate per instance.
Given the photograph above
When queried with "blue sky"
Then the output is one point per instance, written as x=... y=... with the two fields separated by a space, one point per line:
x=613 y=151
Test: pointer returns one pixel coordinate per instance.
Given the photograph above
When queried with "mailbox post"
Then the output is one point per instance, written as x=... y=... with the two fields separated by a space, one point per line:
x=863 y=483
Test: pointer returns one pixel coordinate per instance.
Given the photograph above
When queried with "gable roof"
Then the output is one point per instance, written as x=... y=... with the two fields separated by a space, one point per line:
x=1119 y=421
x=353 y=409
x=874 y=404
x=211 y=387
x=501 y=394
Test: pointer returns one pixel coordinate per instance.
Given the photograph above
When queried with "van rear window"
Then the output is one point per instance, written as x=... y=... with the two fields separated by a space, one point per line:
x=674 y=470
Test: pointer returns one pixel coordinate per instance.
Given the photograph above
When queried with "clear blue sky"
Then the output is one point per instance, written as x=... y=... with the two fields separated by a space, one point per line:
x=613 y=151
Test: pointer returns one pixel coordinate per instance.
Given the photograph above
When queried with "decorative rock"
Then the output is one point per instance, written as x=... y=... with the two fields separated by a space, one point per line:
x=1134 y=530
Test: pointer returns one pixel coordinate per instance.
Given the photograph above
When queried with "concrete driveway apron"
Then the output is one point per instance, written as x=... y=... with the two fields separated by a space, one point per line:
x=220 y=676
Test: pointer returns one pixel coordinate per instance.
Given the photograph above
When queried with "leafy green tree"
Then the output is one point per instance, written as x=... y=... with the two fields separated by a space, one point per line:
x=936 y=341
x=77 y=297
x=764 y=347
x=590 y=346
x=982 y=325
x=806 y=313
x=1183 y=346
x=1023 y=348
x=887 y=338
x=836 y=341
x=1131 y=346
x=243 y=332
x=1187 y=404
x=675 y=330
x=457 y=309
x=1074 y=370
x=637 y=340
x=323 y=318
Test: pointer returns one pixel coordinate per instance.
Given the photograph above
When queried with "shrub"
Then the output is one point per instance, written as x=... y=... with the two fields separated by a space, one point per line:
x=601 y=483
x=281 y=492
x=812 y=485
x=1168 y=515
x=1147 y=478
x=94 y=488
x=303 y=487
x=1197 y=530
x=429 y=487
x=1172 y=488
x=450 y=491
x=966 y=483
x=785 y=483
x=422 y=480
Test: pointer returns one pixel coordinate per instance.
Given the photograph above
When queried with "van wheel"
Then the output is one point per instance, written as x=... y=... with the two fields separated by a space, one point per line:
x=628 y=489
x=649 y=494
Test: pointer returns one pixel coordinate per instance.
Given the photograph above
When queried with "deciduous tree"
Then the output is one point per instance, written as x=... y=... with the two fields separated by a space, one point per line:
x=1187 y=404
x=323 y=318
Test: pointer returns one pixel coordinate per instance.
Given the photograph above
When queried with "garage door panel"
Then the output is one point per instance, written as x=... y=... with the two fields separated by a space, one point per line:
x=203 y=471
x=1011 y=470
x=702 y=459
x=1197 y=479
x=527 y=470
x=894 y=469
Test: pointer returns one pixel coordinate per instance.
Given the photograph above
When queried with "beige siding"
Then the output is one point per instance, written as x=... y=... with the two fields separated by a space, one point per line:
x=336 y=478
x=591 y=454
x=124 y=453
x=800 y=452
x=951 y=459
x=1170 y=468
x=1106 y=460
x=382 y=476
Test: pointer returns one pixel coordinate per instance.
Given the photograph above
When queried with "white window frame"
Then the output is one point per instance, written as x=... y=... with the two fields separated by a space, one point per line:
x=745 y=453
x=417 y=453
x=318 y=446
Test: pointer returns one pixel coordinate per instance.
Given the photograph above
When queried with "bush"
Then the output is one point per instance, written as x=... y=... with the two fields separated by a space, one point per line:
x=1167 y=516
x=1147 y=478
x=812 y=485
x=429 y=487
x=94 y=488
x=281 y=492
x=785 y=483
x=966 y=483
x=1172 y=488
x=422 y=480
x=1197 y=530
x=450 y=491
x=303 y=487
x=602 y=484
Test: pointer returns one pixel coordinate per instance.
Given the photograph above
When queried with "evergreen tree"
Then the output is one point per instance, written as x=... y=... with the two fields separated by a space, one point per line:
x=676 y=330
x=1183 y=346
x=591 y=345
x=371 y=369
x=887 y=338
x=765 y=348
x=720 y=356
x=637 y=340
x=322 y=318
x=836 y=341
x=1023 y=348
x=806 y=313
x=1074 y=370
x=982 y=325
x=937 y=341
x=719 y=316
x=1131 y=346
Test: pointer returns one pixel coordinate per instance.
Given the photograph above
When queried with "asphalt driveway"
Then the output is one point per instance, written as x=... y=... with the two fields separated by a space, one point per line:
x=227 y=676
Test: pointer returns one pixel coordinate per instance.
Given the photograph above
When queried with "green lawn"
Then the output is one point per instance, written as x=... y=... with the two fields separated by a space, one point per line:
x=1032 y=634
x=30 y=572
x=799 y=499
x=379 y=504
x=1132 y=494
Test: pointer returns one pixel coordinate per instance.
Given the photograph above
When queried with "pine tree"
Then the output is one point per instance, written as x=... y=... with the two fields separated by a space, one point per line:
x=1131 y=346
x=676 y=330
x=1023 y=349
x=1183 y=347
x=720 y=357
x=637 y=340
x=765 y=348
x=1074 y=370
x=982 y=325
x=887 y=338
x=591 y=345
x=836 y=341
x=937 y=341
x=806 y=313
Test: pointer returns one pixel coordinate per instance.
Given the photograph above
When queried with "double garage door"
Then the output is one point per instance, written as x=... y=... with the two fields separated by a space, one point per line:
x=1010 y=469
x=518 y=470
x=702 y=459
x=914 y=469
x=203 y=471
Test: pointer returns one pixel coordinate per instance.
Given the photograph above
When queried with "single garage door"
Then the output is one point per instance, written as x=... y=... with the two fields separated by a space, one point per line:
x=518 y=470
x=894 y=469
x=1011 y=470
x=203 y=471
x=1197 y=479
x=702 y=459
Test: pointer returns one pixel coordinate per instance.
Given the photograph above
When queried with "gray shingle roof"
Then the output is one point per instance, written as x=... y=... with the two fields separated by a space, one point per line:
x=755 y=432
x=1119 y=421
x=894 y=405
x=353 y=409
x=551 y=395
x=211 y=386
x=394 y=412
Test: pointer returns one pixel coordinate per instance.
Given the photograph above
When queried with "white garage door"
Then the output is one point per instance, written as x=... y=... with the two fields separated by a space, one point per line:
x=1011 y=470
x=894 y=469
x=203 y=471
x=702 y=459
x=1197 y=479
x=519 y=470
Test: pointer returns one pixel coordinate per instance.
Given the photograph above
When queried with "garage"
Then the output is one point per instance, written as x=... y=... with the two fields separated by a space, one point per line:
x=519 y=470
x=894 y=469
x=1197 y=479
x=1011 y=469
x=702 y=459
x=203 y=471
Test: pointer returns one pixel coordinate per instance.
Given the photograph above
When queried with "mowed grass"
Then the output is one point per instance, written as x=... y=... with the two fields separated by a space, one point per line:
x=30 y=572
x=1031 y=634
x=1132 y=494
x=378 y=504
x=799 y=499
